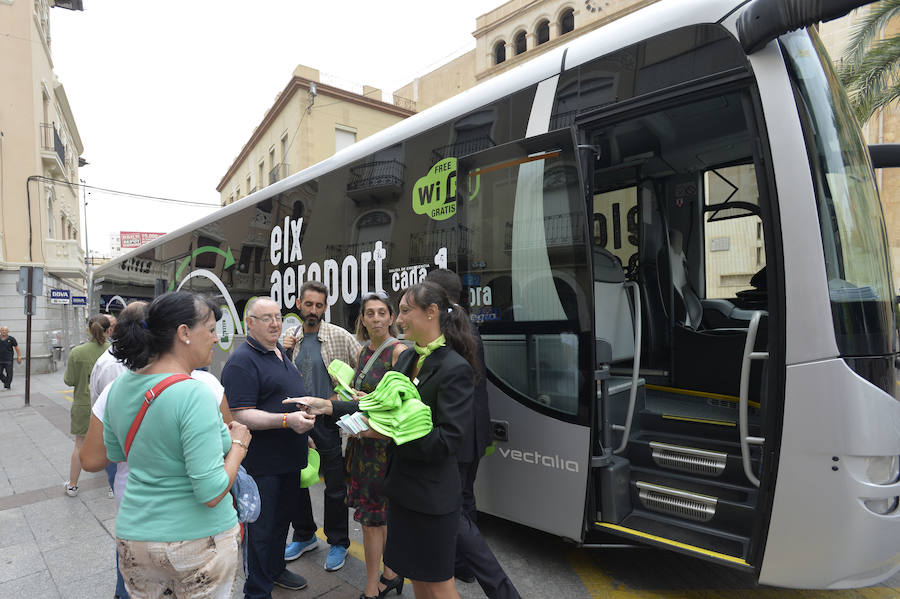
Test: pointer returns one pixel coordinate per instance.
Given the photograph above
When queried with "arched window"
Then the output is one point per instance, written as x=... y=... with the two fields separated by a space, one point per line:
x=499 y=52
x=542 y=33
x=520 y=43
x=567 y=21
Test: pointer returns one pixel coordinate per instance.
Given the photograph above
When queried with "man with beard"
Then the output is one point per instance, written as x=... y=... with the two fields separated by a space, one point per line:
x=313 y=346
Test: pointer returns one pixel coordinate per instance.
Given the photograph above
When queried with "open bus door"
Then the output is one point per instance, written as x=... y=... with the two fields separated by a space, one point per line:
x=526 y=266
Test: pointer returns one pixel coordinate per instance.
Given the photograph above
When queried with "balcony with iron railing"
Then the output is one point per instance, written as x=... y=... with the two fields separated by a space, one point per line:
x=53 y=150
x=560 y=230
x=278 y=172
x=379 y=179
x=338 y=251
x=423 y=245
x=462 y=148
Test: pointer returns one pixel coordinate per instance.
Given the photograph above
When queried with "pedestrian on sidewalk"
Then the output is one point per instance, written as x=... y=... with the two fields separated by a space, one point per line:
x=312 y=346
x=367 y=458
x=105 y=371
x=8 y=343
x=174 y=533
x=257 y=377
x=78 y=374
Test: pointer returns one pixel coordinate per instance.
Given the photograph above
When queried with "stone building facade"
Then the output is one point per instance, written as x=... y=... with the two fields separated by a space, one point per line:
x=40 y=217
x=309 y=121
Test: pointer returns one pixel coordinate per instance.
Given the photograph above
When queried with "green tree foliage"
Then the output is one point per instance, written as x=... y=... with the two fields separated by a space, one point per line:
x=870 y=69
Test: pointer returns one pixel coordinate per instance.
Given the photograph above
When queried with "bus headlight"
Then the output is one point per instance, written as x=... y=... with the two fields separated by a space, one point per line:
x=883 y=470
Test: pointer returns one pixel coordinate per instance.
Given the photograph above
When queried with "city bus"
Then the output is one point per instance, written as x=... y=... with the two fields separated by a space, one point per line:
x=672 y=245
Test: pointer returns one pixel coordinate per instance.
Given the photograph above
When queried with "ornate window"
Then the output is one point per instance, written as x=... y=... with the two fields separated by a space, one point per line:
x=542 y=33
x=499 y=52
x=520 y=43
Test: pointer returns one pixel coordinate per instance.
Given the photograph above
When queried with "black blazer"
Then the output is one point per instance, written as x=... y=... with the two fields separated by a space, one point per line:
x=423 y=475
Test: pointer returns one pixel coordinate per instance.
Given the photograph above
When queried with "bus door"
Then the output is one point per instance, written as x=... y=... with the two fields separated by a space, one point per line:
x=525 y=268
x=678 y=242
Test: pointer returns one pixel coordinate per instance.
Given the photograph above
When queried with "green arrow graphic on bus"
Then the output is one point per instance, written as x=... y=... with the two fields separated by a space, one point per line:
x=229 y=260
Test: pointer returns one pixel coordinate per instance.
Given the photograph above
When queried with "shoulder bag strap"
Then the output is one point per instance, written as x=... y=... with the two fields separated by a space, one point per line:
x=149 y=396
x=371 y=361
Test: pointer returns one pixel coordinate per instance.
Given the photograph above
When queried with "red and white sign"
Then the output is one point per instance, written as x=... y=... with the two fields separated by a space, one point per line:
x=135 y=239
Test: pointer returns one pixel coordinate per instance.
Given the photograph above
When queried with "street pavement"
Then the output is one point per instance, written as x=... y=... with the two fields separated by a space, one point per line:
x=54 y=546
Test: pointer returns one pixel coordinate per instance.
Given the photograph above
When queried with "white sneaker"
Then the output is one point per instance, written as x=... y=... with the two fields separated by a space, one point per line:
x=70 y=490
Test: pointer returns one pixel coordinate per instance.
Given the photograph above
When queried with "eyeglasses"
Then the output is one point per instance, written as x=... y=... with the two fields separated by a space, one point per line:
x=268 y=318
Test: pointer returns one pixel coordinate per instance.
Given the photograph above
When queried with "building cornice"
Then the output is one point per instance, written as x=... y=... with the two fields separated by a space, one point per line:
x=503 y=20
x=294 y=85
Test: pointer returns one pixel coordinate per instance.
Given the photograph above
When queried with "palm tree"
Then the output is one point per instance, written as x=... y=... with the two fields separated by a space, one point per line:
x=870 y=69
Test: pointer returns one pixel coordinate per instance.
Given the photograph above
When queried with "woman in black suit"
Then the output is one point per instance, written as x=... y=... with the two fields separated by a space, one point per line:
x=422 y=481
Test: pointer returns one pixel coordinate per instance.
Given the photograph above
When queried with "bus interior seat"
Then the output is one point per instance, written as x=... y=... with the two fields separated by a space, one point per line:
x=703 y=358
x=614 y=323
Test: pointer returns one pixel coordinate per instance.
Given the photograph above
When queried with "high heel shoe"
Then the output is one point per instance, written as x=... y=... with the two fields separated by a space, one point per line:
x=390 y=584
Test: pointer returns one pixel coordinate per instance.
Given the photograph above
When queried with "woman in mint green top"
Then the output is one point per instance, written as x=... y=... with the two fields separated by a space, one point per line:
x=176 y=531
x=78 y=374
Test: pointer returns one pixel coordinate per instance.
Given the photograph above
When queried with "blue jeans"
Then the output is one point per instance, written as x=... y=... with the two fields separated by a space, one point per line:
x=121 y=591
x=266 y=537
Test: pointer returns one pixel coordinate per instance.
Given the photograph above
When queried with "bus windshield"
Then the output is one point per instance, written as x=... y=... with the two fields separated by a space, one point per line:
x=850 y=215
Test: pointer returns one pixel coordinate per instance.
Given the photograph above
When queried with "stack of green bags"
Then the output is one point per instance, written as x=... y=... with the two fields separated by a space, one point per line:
x=394 y=408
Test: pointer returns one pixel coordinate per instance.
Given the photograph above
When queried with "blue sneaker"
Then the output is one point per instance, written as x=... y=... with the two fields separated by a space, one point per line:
x=298 y=548
x=337 y=555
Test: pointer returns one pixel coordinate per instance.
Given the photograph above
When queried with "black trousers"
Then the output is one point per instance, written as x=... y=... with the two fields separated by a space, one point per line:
x=265 y=537
x=337 y=528
x=473 y=556
x=6 y=372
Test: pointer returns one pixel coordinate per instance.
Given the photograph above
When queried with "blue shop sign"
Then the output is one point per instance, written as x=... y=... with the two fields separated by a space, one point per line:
x=60 y=296
x=79 y=300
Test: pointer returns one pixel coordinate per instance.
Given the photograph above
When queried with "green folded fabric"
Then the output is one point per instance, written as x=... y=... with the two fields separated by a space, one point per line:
x=395 y=409
x=343 y=374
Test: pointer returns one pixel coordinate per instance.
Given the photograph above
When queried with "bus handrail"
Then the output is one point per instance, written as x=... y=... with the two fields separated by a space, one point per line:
x=743 y=405
x=636 y=366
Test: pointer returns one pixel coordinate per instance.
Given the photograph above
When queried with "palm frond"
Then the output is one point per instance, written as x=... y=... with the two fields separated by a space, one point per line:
x=878 y=71
x=873 y=23
x=881 y=101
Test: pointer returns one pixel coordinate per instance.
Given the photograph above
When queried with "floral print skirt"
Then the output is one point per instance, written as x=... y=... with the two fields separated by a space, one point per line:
x=366 y=465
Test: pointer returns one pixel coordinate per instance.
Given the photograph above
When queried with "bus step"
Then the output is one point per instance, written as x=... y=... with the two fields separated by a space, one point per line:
x=700 y=457
x=723 y=506
x=707 y=426
x=675 y=502
x=690 y=539
x=688 y=459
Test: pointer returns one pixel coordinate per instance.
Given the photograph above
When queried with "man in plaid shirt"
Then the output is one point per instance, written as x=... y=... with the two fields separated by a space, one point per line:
x=312 y=346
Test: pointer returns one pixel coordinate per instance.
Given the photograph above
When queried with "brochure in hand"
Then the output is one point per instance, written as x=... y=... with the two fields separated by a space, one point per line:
x=352 y=424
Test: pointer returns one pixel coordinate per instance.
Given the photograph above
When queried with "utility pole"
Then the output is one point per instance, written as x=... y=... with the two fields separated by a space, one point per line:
x=87 y=252
x=29 y=309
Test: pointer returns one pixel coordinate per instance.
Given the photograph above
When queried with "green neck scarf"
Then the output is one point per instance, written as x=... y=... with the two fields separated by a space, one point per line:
x=424 y=352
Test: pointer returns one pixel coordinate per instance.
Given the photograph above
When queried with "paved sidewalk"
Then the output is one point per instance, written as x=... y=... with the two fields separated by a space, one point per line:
x=55 y=546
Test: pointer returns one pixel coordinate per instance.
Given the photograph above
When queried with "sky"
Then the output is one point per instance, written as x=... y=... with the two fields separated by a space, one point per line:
x=166 y=93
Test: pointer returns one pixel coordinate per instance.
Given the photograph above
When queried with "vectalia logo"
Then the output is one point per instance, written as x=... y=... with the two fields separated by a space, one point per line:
x=533 y=457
